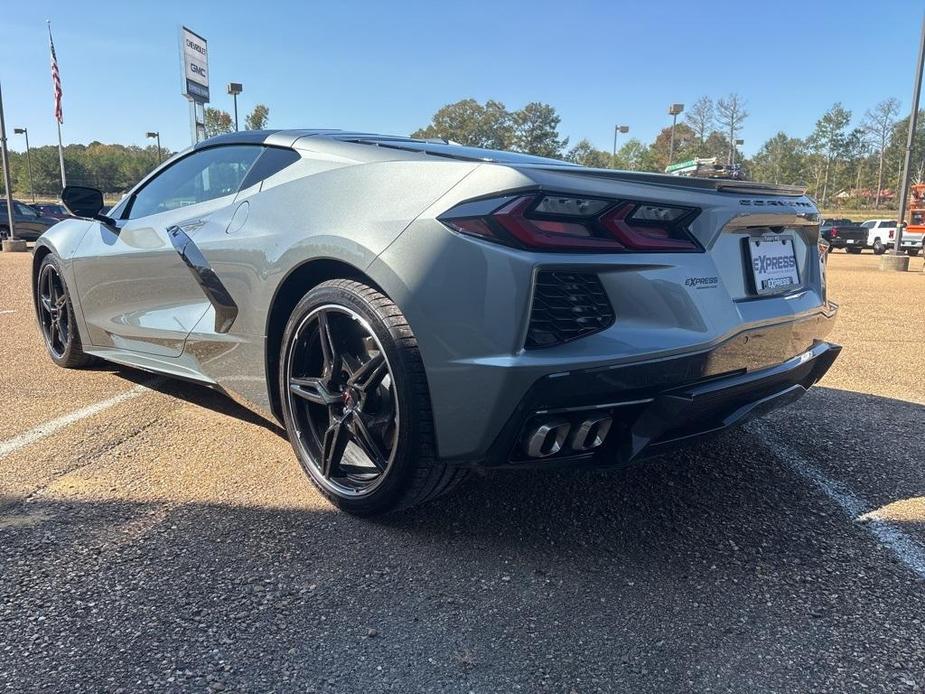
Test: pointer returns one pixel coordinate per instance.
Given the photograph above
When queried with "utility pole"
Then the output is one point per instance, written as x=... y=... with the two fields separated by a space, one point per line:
x=673 y=111
x=25 y=131
x=896 y=259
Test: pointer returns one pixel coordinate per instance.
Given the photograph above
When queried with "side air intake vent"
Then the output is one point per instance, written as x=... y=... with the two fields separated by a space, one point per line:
x=566 y=306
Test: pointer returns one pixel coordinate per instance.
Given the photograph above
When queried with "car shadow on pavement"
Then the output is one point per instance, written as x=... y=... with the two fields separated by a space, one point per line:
x=716 y=568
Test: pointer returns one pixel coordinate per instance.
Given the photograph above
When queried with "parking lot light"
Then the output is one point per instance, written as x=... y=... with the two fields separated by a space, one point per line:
x=152 y=135
x=674 y=110
x=25 y=131
x=235 y=88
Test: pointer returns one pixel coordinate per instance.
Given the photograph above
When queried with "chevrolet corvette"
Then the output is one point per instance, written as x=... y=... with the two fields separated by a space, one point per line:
x=412 y=309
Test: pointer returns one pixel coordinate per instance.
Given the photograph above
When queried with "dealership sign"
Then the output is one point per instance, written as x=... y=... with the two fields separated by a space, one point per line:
x=195 y=55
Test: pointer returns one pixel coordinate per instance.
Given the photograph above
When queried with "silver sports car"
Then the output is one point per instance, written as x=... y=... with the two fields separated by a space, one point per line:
x=411 y=309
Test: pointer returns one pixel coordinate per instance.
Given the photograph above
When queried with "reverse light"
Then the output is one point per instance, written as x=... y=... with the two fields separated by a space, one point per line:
x=549 y=222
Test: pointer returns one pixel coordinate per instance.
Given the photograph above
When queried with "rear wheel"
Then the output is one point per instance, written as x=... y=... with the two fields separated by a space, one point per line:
x=56 y=317
x=4 y=232
x=879 y=248
x=355 y=401
x=853 y=250
x=913 y=251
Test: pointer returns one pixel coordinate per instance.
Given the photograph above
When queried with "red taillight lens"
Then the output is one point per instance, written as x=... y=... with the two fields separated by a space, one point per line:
x=570 y=223
x=833 y=232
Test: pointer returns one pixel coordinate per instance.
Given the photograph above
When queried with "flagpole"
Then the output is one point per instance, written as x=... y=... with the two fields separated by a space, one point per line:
x=51 y=44
x=61 y=159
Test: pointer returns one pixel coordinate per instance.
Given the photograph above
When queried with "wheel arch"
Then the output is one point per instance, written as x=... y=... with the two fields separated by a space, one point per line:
x=290 y=291
x=38 y=255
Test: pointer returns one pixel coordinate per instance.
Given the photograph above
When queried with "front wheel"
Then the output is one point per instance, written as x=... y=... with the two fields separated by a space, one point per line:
x=854 y=250
x=913 y=251
x=879 y=248
x=355 y=401
x=56 y=317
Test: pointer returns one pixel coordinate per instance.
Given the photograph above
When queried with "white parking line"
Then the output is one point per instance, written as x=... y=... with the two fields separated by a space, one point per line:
x=7 y=310
x=908 y=550
x=48 y=428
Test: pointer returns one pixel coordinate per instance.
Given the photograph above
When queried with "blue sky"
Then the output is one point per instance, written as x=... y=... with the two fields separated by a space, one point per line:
x=387 y=66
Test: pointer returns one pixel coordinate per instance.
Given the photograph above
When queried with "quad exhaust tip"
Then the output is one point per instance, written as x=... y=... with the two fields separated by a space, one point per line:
x=550 y=435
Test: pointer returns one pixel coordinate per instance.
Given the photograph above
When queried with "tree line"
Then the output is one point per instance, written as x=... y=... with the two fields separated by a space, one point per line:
x=844 y=161
x=112 y=169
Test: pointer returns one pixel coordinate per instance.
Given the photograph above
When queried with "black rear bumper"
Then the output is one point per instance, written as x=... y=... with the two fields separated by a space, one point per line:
x=661 y=404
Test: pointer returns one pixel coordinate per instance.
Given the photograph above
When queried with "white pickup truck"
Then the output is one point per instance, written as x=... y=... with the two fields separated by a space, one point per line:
x=881 y=234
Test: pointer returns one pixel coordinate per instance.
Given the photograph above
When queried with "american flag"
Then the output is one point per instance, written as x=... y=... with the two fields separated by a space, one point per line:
x=56 y=79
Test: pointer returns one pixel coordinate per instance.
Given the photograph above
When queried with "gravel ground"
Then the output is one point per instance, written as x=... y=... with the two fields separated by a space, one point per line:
x=171 y=543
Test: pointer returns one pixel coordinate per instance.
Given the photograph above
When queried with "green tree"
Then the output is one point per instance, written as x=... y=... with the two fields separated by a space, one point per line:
x=258 y=118
x=470 y=123
x=780 y=160
x=829 y=142
x=217 y=122
x=536 y=130
x=879 y=122
x=633 y=156
x=585 y=154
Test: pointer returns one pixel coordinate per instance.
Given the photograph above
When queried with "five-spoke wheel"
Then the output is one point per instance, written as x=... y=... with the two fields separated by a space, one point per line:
x=54 y=316
x=343 y=400
x=355 y=401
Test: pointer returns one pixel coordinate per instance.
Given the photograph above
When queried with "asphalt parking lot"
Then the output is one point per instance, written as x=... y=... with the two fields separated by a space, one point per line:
x=155 y=535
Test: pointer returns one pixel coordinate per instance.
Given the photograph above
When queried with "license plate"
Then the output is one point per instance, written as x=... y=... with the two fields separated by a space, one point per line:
x=850 y=240
x=774 y=263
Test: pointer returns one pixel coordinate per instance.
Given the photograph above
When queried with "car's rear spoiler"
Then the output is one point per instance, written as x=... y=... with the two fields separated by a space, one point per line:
x=717 y=184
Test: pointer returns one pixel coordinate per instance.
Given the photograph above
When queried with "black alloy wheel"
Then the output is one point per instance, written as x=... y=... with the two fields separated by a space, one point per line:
x=343 y=400
x=355 y=401
x=54 y=316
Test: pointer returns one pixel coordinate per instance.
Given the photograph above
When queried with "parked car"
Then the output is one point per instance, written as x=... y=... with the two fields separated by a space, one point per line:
x=410 y=310
x=27 y=221
x=843 y=233
x=53 y=210
x=880 y=234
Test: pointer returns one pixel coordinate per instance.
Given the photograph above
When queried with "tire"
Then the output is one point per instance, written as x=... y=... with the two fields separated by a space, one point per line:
x=913 y=251
x=4 y=232
x=854 y=251
x=879 y=248
x=315 y=376
x=56 y=318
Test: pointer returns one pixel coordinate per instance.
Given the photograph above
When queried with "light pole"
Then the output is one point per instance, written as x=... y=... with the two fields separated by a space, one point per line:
x=235 y=88
x=673 y=111
x=617 y=129
x=25 y=131
x=735 y=144
x=156 y=134
x=896 y=259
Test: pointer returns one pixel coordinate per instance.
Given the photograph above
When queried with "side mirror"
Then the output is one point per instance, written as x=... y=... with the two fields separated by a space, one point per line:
x=85 y=202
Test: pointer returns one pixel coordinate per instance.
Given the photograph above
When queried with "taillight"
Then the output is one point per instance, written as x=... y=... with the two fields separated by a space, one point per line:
x=833 y=232
x=573 y=223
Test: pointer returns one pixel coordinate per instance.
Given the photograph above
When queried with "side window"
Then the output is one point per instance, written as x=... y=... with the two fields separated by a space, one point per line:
x=273 y=160
x=24 y=210
x=204 y=175
x=869 y=225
